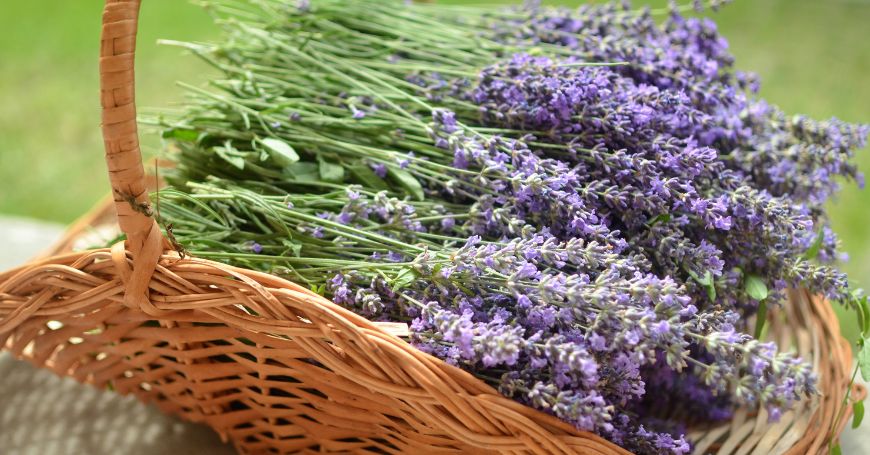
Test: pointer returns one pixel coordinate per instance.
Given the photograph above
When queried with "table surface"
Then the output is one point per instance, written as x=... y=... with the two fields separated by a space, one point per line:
x=41 y=413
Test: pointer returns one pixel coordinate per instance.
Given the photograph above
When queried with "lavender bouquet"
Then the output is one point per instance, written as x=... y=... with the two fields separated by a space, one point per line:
x=578 y=207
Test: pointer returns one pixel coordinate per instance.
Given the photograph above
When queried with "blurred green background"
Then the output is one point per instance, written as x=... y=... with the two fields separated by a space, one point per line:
x=813 y=57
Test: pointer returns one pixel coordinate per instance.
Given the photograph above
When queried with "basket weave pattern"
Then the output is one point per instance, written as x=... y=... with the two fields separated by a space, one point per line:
x=277 y=369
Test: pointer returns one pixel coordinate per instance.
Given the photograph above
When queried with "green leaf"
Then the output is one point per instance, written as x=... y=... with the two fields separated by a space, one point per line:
x=760 y=319
x=304 y=171
x=864 y=360
x=814 y=249
x=756 y=287
x=858 y=411
x=407 y=182
x=231 y=155
x=294 y=248
x=181 y=134
x=706 y=281
x=318 y=289
x=367 y=177
x=860 y=309
x=835 y=450
x=866 y=308
x=864 y=316
x=404 y=279
x=330 y=172
x=663 y=218
x=281 y=152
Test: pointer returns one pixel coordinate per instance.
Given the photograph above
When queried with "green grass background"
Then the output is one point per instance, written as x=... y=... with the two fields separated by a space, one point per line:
x=813 y=57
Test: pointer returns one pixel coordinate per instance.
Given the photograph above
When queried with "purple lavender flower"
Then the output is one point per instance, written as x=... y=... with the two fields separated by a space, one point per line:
x=380 y=169
x=357 y=113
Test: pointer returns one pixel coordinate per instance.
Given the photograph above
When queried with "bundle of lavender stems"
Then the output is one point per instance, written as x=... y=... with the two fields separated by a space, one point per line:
x=583 y=208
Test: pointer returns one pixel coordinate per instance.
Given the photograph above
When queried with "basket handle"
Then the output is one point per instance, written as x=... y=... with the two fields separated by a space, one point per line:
x=120 y=132
x=145 y=242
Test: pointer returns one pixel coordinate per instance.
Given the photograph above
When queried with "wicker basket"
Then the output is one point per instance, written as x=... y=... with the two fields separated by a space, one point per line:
x=299 y=373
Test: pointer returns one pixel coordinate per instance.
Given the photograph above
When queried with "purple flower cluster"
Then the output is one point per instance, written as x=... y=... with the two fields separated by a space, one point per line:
x=386 y=211
x=582 y=221
x=590 y=322
x=793 y=157
x=637 y=145
x=626 y=232
x=573 y=327
x=671 y=163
